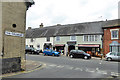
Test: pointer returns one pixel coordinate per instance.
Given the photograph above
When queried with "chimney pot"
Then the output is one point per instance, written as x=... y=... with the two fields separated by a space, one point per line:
x=41 y=25
x=29 y=28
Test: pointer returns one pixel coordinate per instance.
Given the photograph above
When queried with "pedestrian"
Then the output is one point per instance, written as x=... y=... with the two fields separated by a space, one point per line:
x=101 y=56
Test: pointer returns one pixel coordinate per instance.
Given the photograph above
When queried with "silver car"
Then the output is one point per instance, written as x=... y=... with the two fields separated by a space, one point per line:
x=113 y=56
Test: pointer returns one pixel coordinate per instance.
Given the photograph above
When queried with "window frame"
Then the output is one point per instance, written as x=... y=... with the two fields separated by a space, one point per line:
x=112 y=33
x=57 y=38
x=75 y=38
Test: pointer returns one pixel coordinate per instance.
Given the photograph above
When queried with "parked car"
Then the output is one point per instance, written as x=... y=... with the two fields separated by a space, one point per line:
x=113 y=56
x=31 y=50
x=51 y=52
x=80 y=54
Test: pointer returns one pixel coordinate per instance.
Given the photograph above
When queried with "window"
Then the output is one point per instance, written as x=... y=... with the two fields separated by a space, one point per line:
x=114 y=33
x=38 y=46
x=91 y=38
x=48 y=39
x=85 y=37
x=114 y=47
x=57 y=38
x=31 y=40
x=73 y=38
x=112 y=53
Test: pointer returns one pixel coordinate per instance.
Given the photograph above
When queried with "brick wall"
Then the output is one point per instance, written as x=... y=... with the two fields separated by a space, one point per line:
x=107 y=39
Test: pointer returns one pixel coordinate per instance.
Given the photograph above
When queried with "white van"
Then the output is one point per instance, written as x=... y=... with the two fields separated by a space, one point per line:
x=113 y=56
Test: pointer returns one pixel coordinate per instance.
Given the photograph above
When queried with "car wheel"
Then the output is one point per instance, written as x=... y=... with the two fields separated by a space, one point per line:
x=85 y=57
x=71 y=56
x=109 y=59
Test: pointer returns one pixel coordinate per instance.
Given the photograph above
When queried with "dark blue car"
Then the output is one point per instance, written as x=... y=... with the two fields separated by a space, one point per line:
x=51 y=52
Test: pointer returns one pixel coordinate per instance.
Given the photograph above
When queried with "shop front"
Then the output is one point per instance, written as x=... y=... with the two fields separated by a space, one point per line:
x=47 y=46
x=59 y=48
x=71 y=45
x=92 y=49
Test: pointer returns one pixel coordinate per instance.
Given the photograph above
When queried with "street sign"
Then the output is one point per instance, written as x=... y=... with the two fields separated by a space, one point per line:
x=14 y=34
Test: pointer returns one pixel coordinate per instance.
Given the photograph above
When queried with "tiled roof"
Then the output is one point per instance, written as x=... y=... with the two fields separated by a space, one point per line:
x=69 y=29
x=112 y=23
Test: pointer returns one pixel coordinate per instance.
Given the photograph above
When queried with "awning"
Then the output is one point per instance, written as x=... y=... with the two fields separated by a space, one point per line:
x=115 y=43
x=88 y=45
x=60 y=45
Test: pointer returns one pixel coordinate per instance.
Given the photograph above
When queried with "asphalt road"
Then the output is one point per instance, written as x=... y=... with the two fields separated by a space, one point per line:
x=65 y=67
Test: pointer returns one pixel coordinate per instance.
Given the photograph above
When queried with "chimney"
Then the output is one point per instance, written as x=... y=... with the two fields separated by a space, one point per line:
x=41 y=25
x=29 y=28
x=58 y=24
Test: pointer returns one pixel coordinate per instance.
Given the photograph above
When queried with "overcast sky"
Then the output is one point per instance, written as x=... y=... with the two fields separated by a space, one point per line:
x=52 y=12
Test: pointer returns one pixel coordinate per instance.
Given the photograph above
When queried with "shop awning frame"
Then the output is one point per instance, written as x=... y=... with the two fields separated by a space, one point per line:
x=88 y=45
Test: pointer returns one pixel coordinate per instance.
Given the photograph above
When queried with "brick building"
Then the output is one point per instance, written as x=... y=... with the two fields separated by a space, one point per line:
x=12 y=34
x=111 y=38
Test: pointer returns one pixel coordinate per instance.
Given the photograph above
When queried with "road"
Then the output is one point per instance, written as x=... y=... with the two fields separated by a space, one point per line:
x=65 y=67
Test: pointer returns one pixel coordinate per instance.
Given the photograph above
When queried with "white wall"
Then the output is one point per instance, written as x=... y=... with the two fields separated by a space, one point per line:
x=38 y=41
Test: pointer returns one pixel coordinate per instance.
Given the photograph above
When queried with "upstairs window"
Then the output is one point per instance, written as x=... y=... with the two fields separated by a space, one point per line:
x=32 y=40
x=48 y=39
x=73 y=38
x=90 y=38
x=114 y=33
x=57 y=38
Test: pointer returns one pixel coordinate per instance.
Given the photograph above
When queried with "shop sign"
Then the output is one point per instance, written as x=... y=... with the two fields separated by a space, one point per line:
x=14 y=34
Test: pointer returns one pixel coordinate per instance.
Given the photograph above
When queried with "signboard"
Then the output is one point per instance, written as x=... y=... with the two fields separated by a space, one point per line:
x=14 y=34
x=71 y=43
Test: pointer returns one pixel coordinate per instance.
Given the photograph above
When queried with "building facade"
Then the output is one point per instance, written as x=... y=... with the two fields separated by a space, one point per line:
x=84 y=36
x=111 y=40
x=12 y=47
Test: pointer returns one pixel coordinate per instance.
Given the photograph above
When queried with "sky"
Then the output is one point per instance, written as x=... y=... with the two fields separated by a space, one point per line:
x=53 y=12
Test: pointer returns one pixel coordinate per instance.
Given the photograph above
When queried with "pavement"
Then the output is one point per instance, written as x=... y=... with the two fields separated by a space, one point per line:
x=30 y=67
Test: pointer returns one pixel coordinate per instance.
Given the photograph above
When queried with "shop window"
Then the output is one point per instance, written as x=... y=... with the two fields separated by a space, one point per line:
x=114 y=34
x=57 y=38
x=73 y=38
x=114 y=47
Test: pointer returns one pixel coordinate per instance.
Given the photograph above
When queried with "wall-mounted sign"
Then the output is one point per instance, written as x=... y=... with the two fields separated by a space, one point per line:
x=14 y=34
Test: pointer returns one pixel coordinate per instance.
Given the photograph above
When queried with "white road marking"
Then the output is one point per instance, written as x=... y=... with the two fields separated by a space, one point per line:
x=78 y=69
x=52 y=65
x=60 y=66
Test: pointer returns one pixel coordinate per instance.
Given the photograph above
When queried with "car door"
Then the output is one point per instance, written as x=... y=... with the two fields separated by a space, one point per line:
x=118 y=56
x=80 y=54
x=114 y=56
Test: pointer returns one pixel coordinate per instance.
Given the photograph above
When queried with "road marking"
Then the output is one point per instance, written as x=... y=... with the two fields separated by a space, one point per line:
x=78 y=69
x=60 y=66
x=52 y=65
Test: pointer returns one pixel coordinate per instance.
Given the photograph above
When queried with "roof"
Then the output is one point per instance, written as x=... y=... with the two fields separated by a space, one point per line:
x=112 y=23
x=71 y=29
x=65 y=30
